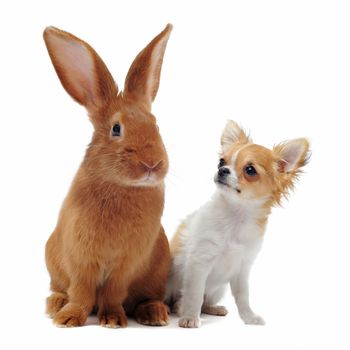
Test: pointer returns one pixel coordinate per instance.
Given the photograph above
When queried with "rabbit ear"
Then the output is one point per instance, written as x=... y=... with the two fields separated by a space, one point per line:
x=142 y=80
x=79 y=68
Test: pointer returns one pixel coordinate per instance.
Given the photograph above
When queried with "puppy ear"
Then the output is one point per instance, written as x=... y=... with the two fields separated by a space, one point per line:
x=142 y=80
x=81 y=71
x=292 y=155
x=232 y=134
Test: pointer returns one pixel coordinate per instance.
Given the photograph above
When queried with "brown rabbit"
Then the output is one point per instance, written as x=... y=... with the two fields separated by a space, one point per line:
x=109 y=251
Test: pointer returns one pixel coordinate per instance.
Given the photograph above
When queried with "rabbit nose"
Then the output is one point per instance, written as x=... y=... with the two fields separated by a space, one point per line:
x=151 y=167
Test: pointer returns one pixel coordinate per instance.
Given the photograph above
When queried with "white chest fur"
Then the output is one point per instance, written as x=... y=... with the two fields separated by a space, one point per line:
x=218 y=246
x=220 y=236
x=218 y=239
x=238 y=239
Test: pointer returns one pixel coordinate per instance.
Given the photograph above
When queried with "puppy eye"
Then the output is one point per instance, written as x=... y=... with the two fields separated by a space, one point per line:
x=116 y=130
x=221 y=162
x=250 y=170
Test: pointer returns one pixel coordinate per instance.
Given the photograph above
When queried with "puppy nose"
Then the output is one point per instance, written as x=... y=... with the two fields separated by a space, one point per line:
x=223 y=172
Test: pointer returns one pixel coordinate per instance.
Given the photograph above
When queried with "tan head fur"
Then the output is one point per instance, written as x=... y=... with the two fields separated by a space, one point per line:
x=252 y=171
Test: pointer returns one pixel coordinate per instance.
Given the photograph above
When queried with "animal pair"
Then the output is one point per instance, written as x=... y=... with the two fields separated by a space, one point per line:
x=109 y=252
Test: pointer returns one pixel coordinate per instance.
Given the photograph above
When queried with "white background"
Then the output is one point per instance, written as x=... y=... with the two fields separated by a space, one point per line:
x=280 y=68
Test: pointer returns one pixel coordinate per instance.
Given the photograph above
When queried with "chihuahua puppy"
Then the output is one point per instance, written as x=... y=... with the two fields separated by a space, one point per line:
x=218 y=244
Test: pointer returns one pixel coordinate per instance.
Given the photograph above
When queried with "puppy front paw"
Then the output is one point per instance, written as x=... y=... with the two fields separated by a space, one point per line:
x=251 y=318
x=189 y=322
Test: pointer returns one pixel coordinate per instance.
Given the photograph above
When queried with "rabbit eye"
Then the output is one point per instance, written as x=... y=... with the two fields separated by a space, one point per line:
x=116 y=130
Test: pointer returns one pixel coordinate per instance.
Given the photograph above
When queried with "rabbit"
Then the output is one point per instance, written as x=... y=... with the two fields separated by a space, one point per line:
x=109 y=253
